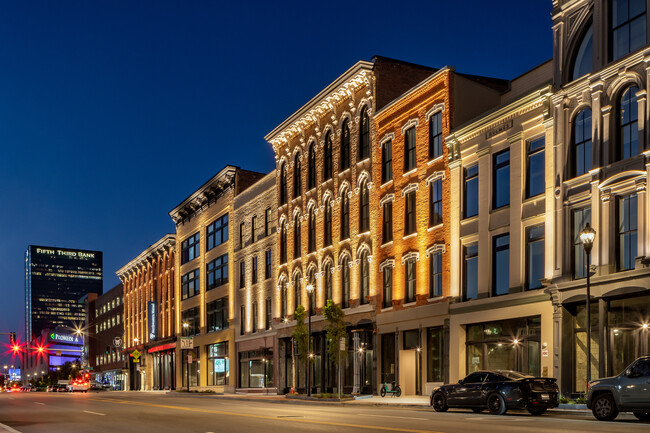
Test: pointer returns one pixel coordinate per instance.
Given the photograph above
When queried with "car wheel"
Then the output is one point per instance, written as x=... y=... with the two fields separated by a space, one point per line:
x=604 y=408
x=477 y=410
x=398 y=391
x=537 y=410
x=382 y=392
x=642 y=415
x=495 y=404
x=439 y=402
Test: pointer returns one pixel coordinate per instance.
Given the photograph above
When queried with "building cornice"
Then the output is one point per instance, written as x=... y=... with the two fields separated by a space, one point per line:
x=166 y=243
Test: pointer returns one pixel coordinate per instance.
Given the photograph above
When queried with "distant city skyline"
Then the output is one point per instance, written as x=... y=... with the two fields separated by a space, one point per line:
x=101 y=101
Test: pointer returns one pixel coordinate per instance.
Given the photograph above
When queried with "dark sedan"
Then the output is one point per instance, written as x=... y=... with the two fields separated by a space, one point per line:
x=497 y=391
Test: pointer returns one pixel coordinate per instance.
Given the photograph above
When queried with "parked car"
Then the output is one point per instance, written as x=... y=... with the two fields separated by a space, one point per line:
x=627 y=392
x=60 y=388
x=497 y=391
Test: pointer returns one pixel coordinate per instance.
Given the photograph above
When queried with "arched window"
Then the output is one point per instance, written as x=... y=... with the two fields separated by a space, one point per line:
x=345 y=282
x=581 y=138
x=327 y=281
x=311 y=164
x=583 y=62
x=345 y=215
x=327 y=224
x=283 y=244
x=345 y=145
x=364 y=135
x=283 y=184
x=364 y=277
x=297 y=290
x=283 y=298
x=311 y=240
x=297 y=172
x=327 y=157
x=296 y=237
x=364 y=207
x=628 y=123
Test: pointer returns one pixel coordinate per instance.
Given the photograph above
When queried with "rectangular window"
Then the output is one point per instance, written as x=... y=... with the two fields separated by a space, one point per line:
x=410 y=161
x=535 y=183
x=470 y=269
x=192 y=318
x=190 y=284
x=435 y=354
x=388 y=287
x=387 y=222
x=242 y=320
x=242 y=274
x=190 y=248
x=628 y=27
x=218 y=364
x=267 y=313
x=267 y=265
x=471 y=191
x=501 y=190
x=254 y=271
x=217 y=232
x=535 y=257
x=267 y=222
x=387 y=161
x=217 y=315
x=435 y=274
x=435 y=205
x=254 y=313
x=435 y=135
x=217 y=272
x=409 y=213
x=501 y=264
x=253 y=228
x=410 y=275
x=580 y=218
x=241 y=235
x=627 y=231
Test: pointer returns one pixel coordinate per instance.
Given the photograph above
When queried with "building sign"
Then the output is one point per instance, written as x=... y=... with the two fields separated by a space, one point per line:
x=162 y=347
x=187 y=342
x=136 y=356
x=66 y=253
x=220 y=365
x=153 y=317
x=55 y=336
x=117 y=342
x=498 y=129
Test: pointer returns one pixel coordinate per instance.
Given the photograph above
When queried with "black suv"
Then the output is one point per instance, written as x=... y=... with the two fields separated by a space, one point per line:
x=627 y=392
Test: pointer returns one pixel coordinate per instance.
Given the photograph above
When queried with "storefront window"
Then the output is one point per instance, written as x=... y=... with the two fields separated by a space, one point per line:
x=256 y=369
x=580 y=326
x=388 y=357
x=625 y=319
x=435 y=354
x=218 y=364
x=505 y=345
x=194 y=366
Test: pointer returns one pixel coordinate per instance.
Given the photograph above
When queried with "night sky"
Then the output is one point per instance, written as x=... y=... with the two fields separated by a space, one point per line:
x=113 y=112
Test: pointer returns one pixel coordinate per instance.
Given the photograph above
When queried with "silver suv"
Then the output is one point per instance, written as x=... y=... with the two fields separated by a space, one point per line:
x=627 y=392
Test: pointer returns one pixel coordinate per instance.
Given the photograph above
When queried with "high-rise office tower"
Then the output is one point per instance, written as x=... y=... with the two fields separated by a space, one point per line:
x=55 y=280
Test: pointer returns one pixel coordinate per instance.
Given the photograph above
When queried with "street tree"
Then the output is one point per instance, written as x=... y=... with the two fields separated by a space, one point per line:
x=299 y=339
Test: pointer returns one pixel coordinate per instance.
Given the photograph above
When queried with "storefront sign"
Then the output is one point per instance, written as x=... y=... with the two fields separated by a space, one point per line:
x=187 y=342
x=117 y=342
x=162 y=347
x=220 y=365
x=153 y=317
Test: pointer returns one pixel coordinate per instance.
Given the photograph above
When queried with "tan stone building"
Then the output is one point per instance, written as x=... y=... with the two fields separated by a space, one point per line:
x=327 y=212
x=413 y=225
x=150 y=311
x=205 y=279
x=255 y=261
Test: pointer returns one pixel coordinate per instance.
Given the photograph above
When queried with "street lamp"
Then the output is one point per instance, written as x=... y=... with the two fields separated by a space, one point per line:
x=310 y=291
x=587 y=236
x=186 y=327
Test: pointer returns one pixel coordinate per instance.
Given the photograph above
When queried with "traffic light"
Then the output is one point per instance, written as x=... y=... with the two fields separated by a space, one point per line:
x=108 y=349
x=12 y=338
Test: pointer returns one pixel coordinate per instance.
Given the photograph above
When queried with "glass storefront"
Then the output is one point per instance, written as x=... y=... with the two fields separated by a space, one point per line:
x=218 y=365
x=580 y=346
x=435 y=354
x=194 y=367
x=388 y=357
x=505 y=345
x=256 y=369
x=625 y=320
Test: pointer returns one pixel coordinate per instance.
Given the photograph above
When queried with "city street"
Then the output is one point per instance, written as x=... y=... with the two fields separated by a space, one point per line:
x=161 y=413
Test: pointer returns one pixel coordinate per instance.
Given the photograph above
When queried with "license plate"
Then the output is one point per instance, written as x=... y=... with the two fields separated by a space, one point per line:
x=544 y=396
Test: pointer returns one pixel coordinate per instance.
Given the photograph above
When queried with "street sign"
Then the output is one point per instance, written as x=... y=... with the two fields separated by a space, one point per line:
x=189 y=358
x=342 y=344
x=117 y=342
x=187 y=342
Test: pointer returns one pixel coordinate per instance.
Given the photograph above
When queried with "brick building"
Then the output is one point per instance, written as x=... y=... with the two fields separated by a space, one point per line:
x=324 y=154
x=150 y=324
x=412 y=240
x=255 y=261
x=205 y=288
x=104 y=336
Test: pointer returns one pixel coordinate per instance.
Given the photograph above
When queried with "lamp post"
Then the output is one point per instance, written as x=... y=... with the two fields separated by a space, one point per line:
x=186 y=327
x=587 y=236
x=310 y=291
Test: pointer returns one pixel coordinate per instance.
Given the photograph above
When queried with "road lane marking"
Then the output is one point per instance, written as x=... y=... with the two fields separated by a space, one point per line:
x=95 y=413
x=246 y=415
x=391 y=416
x=38 y=402
x=7 y=428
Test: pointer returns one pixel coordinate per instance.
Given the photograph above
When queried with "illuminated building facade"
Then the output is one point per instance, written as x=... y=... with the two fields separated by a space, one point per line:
x=55 y=280
x=205 y=280
x=255 y=264
x=150 y=318
x=600 y=176
x=500 y=222
x=49 y=351
x=327 y=214
x=413 y=223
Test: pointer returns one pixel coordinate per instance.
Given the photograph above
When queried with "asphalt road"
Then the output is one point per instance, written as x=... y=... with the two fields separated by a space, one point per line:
x=161 y=413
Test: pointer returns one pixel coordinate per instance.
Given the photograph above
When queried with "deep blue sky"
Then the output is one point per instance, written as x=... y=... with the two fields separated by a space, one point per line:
x=112 y=112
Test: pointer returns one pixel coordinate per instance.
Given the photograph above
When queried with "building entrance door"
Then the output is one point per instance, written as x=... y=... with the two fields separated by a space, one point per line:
x=407 y=371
